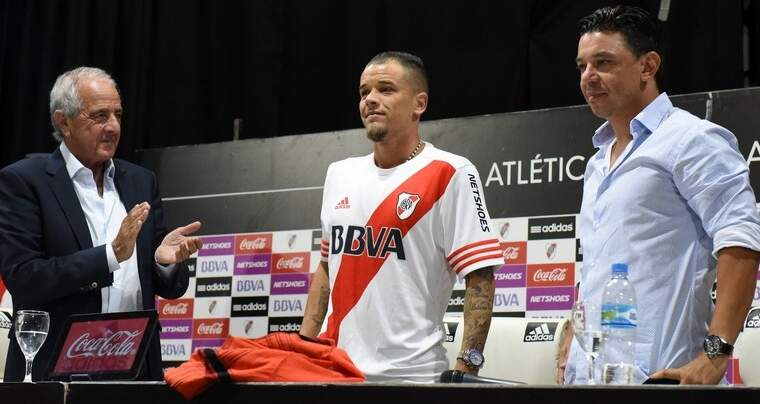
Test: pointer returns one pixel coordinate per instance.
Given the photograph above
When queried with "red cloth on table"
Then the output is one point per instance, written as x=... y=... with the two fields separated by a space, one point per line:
x=284 y=357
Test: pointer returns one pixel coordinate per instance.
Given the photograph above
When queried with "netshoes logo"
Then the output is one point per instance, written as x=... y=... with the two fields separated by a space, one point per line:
x=252 y=264
x=289 y=284
x=217 y=245
x=514 y=276
x=550 y=299
x=540 y=332
x=175 y=328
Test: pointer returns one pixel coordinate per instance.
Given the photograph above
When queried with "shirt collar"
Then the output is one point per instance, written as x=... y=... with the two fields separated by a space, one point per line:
x=74 y=166
x=647 y=121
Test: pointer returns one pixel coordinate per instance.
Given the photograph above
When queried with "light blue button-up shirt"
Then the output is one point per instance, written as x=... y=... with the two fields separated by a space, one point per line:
x=677 y=194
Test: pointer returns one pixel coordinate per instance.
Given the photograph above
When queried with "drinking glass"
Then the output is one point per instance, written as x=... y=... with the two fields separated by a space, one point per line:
x=586 y=322
x=31 y=331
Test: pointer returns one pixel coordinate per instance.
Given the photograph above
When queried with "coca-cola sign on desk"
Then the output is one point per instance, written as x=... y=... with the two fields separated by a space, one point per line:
x=106 y=345
x=286 y=263
x=180 y=308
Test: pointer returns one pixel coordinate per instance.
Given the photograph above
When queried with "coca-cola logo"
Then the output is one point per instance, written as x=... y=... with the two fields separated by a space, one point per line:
x=295 y=262
x=511 y=253
x=120 y=343
x=258 y=243
x=514 y=252
x=253 y=243
x=562 y=274
x=555 y=275
x=211 y=328
x=215 y=329
x=177 y=309
x=290 y=263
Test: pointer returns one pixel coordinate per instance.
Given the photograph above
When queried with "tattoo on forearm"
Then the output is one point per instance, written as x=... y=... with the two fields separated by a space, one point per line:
x=318 y=316
x=478 y=307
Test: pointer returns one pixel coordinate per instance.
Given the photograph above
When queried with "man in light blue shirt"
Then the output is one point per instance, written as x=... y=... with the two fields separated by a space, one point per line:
x=668 y=194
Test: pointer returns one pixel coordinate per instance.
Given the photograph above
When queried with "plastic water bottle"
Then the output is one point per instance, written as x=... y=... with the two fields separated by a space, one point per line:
x=619 y=320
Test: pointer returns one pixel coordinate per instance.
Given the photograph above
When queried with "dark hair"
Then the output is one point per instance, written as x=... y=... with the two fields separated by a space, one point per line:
x=413 y=65
x=633 y=23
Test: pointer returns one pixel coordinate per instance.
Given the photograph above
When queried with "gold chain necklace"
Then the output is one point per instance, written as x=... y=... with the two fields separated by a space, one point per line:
x=416 y=150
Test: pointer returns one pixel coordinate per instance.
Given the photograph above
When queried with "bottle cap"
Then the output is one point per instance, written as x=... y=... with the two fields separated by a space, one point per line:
x=619 y=268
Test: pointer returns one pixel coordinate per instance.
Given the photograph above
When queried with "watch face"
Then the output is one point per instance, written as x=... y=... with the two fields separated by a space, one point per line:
x=712 y=345
x=475 y=357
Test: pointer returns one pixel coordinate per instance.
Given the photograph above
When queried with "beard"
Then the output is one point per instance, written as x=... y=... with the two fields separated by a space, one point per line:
x=376 y=134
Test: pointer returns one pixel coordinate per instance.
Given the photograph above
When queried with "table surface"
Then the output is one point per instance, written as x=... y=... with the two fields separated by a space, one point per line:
x=364 y=393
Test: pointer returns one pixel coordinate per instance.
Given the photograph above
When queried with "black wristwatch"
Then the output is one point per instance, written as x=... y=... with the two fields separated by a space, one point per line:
x=715 y=346
x=473 y=358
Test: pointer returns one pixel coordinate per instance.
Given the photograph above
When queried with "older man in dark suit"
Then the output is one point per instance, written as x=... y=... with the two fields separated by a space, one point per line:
x=82 y=232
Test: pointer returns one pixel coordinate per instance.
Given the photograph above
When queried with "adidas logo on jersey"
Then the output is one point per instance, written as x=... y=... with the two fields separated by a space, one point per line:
x=343 y=204
x=540 y=332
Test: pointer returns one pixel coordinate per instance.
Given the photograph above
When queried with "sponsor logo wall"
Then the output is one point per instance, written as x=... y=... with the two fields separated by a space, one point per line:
x=245 y=285
x=248 y=285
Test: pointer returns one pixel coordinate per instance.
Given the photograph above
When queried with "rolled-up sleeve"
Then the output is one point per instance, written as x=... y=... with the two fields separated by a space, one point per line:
x=713 y=177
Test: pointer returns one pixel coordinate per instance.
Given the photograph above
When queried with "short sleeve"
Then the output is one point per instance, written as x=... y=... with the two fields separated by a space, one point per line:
x=469 y=240
x=324 y=218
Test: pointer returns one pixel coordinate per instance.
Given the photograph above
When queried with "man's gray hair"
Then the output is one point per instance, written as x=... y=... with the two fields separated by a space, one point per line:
x=65 y=97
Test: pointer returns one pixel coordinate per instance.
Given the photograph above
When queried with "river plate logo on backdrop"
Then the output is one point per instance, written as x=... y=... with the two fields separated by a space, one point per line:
x=406 y=204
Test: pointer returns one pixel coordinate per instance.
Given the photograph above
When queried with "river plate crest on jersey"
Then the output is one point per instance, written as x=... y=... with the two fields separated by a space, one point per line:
x=406 y=204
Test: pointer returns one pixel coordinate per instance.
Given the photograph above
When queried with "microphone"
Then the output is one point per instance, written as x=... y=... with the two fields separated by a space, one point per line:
x=457 y=376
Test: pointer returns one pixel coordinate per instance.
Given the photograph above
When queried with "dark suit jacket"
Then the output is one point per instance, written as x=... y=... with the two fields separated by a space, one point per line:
x=47 y=259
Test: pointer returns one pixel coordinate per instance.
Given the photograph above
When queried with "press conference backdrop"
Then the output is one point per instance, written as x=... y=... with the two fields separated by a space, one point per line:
x=260 y=200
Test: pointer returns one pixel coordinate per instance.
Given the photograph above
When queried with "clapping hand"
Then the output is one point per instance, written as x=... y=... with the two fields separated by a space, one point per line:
x=124 y=243
x=177 y=246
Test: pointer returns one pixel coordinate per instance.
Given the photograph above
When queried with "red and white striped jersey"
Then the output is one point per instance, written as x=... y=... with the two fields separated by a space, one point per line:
x=394 y=240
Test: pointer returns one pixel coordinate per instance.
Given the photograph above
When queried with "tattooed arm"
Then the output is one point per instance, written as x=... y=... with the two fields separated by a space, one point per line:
x=478 y=306
x=316 y=303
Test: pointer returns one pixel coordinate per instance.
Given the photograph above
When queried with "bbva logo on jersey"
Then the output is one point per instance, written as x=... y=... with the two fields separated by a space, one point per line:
x=406 y=204
x=358 y=240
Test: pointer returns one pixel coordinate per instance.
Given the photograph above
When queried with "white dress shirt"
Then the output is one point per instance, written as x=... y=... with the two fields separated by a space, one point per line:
x=104 y=216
